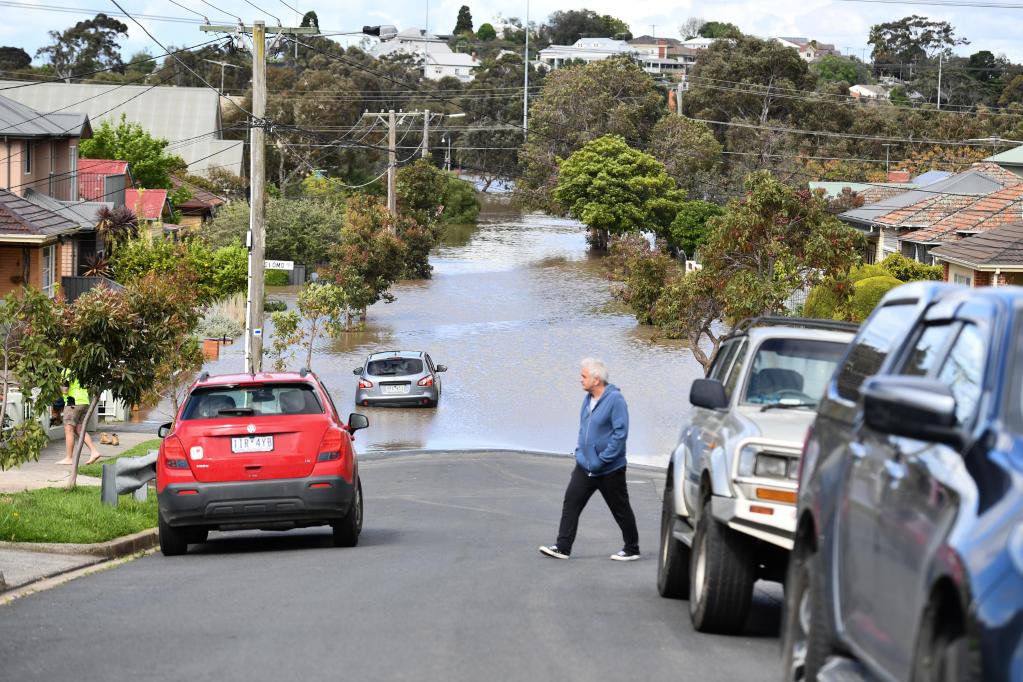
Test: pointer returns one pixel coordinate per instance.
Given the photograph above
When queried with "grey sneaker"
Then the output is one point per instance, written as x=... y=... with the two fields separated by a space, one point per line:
x=622 y=555
x=553 y=551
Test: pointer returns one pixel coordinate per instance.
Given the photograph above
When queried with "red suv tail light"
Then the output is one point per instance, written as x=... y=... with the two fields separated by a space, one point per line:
x=330 y=446
x=172 y=466
x=334 y=452
x=365 y=383
x=425 y=381
x=174 y=453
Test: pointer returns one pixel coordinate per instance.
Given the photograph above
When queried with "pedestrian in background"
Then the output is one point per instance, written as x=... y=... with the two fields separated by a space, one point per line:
x=599 y=463
x=73 y=416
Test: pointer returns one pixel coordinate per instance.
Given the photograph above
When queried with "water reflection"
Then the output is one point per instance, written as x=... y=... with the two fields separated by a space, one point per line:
x=513 y=305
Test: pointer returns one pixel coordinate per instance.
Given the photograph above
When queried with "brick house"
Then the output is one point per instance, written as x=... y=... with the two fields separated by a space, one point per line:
x=990 y=258
x=199 y=208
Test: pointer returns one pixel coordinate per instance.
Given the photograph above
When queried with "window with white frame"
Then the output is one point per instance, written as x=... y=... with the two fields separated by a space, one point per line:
x=959 y=278
x=50 y=270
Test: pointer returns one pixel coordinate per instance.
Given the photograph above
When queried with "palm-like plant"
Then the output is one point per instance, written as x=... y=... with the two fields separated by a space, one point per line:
x=117 y=224
x=97 y=265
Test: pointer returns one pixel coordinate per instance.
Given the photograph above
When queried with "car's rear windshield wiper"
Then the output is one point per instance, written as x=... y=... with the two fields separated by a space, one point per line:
x=237 y=411
x=785 y=406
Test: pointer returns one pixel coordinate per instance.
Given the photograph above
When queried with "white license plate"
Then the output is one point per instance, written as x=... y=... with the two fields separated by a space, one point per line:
x=252 y=444
x=395 y=390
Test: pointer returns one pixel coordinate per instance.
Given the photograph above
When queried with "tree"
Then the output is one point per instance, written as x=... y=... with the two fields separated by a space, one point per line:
x=29 y=327
x=309 y=19
x=718 y=29
x=117 y=224
x=565 y=27
x=837 y=69
x=87 y=46
x=615 y=189
x=771 y=242
x=419 y=189
x=486 y=32
x=690 y=229
x=690 y=28
x=151 y=165
x=321 y=307
x=464 y=22
x=686 y=148
x=579 y=104
x=14 y=59
x=910 y=39
x=213 y=274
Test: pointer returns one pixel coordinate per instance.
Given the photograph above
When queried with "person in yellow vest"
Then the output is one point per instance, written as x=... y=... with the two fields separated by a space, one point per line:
x=76 y=404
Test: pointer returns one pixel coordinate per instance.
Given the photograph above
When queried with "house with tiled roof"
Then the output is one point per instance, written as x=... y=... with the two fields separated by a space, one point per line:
x=34 y=245
x=993 y=257
x=913 y=221
x=152 y=207
x=200 y=207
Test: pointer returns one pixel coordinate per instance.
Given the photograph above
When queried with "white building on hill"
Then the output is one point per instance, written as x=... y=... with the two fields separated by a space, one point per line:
x=437 y=58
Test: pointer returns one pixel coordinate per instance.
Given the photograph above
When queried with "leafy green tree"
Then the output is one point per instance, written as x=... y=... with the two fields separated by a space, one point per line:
x=151 y=165
x=309 y=19
x=690 y=229
x=565 y=27
x=419 y=189
x=910 y=39
x=719 y=29
x=690 y=28
x=688 y=149
x=1012 y=93
x=579 y=104
x=461 y=205
x=771 y=242
x=464 y=22
x=321 y=308
x=14 y=59
x=87 y=46
x=216 y=273
x=486 y=32
x=29 y=324
x=641 y=272
x=613 y=189
x=837 y=69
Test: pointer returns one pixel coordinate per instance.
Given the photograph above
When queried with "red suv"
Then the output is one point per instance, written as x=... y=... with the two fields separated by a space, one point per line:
x=266 y=451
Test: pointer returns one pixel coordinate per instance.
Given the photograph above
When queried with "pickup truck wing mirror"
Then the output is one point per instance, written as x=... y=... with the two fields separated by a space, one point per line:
x=914 y=407
x=708 y=393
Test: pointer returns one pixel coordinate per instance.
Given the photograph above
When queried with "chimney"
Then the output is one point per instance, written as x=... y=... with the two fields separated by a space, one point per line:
x=899 y=176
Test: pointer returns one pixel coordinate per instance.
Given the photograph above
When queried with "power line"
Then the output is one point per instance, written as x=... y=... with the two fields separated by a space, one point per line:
x=263 y=11
x=205 y=2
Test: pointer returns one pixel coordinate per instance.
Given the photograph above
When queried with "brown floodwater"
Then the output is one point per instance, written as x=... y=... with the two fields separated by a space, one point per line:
x=513 y=305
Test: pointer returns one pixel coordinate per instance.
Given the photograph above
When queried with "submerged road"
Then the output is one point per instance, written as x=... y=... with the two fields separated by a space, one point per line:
x=446 y=584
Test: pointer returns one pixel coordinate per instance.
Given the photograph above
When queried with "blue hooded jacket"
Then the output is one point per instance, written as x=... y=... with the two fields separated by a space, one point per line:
x=602 y=433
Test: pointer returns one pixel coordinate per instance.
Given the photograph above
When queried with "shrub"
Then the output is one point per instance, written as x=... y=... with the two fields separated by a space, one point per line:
x=906 y=270
x=461 y=207
x=823 y=302
x=867 y=293
x=867 y=271
x=275 y=278
x=272 y=305
x=218 y=327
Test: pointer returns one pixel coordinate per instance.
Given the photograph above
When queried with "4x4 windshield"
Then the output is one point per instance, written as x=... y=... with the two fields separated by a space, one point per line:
x=253 y=400
x=394 y=367
x=792 y=372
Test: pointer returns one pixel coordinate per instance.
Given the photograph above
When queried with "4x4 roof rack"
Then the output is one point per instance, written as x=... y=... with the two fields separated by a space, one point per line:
x=802 y=322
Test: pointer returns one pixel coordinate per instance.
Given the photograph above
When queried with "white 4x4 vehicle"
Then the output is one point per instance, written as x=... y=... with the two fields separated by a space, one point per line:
x=729 y=516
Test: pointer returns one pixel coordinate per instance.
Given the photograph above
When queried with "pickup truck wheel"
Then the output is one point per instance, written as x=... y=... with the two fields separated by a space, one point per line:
x=173 y=541
x=346 y=530
x=721 y=577
x=943 y=653
x=807 y=635
x=673 y=564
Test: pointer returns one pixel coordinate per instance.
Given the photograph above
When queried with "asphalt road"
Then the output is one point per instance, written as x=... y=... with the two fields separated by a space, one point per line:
x=446 y=584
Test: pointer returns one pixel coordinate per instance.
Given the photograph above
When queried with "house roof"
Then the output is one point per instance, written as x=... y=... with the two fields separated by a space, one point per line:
x=187 y=117
x=200 y=199
x=92 y=175
x=19 y=217
x=20 y=120
x=651 y=40
x=979 y=215
x=84 y=213
x=923 y=207
x=102 y=166
x=153 y=202
x=1001 y=246
x=1010 y=157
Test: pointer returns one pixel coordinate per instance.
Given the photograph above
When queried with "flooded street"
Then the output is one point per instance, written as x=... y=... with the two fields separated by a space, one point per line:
x=513 y=305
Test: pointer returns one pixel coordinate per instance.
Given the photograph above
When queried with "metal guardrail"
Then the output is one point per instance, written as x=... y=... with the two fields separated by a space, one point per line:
x=128 y=475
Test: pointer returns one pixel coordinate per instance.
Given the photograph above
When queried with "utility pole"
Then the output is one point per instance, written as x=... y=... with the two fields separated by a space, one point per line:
x=257 y=182
x=426 y=134
x=941 y=56
x=393 y=121
x=525 y=86
x=222 y=66
x=887 y=149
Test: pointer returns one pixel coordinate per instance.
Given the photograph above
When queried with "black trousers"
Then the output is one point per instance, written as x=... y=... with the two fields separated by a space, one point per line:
x=580 y=489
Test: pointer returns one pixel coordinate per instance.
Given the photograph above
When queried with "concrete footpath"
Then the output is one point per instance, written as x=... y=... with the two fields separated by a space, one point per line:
x=22 y=563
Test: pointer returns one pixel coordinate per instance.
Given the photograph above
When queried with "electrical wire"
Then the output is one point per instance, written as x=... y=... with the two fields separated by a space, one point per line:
x=205 y=2
x=279 y=23
x=189 y=9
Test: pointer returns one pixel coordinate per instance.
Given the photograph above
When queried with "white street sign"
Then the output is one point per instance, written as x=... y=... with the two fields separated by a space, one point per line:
x=279 y=264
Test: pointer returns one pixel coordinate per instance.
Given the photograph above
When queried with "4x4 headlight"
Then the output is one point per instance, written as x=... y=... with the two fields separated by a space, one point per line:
x=772 y=466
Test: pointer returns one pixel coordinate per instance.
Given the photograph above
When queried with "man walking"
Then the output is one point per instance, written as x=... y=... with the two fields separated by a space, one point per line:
x=599 y=463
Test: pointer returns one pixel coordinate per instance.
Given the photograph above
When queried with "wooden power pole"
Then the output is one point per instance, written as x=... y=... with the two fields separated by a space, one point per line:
x=258 y=125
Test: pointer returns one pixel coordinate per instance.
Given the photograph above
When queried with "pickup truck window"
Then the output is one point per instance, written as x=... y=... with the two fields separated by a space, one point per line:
x=963 y=371
x=793 y=371
x=865 y=358
x=733 y=377
x=723 y=360
x=928 y=349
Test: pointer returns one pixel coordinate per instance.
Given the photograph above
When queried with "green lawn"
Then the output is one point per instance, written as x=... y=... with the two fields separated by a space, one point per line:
x=97 y=468
x=62 y=515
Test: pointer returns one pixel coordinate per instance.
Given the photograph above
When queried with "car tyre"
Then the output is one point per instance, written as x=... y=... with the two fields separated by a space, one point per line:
x=198 y=536
x=173 y=541
x=807 y=634
x=721 y=577
x=347 y=530
x=942 y=654
x=673 y=564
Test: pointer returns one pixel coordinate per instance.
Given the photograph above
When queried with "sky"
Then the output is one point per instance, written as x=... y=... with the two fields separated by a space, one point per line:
x=844 y=24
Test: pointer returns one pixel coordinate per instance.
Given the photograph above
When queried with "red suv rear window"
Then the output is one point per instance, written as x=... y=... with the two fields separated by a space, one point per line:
x=219 y=402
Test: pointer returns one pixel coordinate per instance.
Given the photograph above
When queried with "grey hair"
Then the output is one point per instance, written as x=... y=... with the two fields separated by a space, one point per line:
x=595 y=368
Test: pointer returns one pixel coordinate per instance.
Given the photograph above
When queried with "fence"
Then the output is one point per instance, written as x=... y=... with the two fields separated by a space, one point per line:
x=73 y=287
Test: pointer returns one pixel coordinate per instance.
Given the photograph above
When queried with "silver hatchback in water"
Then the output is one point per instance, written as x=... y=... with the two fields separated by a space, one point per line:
x=399 y=377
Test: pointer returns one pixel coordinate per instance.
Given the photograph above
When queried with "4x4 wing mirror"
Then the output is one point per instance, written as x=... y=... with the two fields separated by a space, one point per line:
x=914 y=407
x=708 y=393
x=164 y=429
x=357 y=421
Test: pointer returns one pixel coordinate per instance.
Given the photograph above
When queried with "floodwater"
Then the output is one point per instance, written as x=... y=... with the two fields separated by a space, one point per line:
x=513 y=305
